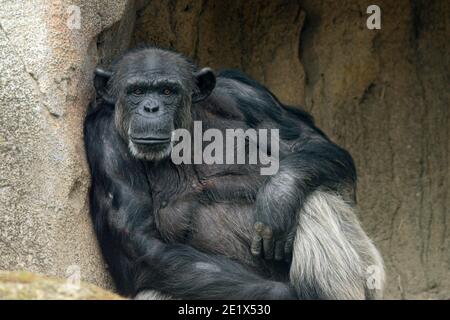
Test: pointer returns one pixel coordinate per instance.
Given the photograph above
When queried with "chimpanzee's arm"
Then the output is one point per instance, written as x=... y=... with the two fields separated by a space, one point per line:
x=311 y=162
x=120 y=200
x=314 y=162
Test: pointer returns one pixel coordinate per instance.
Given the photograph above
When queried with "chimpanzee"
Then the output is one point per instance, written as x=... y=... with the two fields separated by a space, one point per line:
x=219 y=231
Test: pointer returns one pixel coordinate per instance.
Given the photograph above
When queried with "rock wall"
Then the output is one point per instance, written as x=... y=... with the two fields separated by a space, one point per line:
x=382 y=94
x=45 y=85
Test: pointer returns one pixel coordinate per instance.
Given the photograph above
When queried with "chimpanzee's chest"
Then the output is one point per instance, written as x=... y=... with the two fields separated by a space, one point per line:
x=208 y=207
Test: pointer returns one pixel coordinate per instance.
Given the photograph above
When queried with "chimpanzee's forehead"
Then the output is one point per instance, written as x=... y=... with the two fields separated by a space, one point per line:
x=153 y=63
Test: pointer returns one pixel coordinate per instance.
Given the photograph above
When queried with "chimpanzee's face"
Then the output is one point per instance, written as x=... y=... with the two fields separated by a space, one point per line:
x=152 y=102
x=153 y=92
x=149 y=104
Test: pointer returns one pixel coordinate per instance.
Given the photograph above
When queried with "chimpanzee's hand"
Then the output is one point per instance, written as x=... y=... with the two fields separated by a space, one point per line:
x=272 y=243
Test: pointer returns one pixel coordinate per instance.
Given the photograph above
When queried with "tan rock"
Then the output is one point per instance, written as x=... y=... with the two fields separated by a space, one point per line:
x=29 y=286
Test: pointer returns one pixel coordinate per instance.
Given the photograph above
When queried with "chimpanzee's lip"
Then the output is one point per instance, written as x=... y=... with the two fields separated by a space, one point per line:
x=150 y=140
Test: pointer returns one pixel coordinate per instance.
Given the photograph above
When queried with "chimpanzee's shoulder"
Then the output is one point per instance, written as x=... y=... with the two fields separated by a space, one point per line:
x=256 y=101
x=241 y=77
x=99 y=121
x=106 y=150
x=99 y=109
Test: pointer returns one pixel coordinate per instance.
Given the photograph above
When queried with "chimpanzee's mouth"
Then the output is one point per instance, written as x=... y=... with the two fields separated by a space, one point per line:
x=150 y=140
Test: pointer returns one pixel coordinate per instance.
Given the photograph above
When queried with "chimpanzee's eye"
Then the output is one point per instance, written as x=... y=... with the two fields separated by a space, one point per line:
x=137 y=92
x=167 y=91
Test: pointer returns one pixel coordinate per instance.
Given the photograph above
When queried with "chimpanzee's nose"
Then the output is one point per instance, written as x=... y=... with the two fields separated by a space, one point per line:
x=151 y=109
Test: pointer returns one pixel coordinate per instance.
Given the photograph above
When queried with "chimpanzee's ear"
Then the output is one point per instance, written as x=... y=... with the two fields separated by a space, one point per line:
x=101 y=78
x=206 y=81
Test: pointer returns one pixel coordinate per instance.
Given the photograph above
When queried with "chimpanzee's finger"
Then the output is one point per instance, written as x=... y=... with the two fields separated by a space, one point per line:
x=259 y=227
x=266 y=232
x=279 y=250
x=267 y=239
x=288 y=247
x=268 y=248
x=256 y=246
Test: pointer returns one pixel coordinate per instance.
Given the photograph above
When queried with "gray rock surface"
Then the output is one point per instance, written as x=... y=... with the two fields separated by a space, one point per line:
x=45 y=85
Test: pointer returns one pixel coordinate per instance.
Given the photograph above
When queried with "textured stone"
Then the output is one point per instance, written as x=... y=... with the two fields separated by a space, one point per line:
x=258 y=37
x=45 y=85
x=29 y=286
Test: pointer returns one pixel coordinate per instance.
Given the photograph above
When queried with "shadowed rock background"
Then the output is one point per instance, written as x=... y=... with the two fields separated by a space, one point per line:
x=382 y=94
